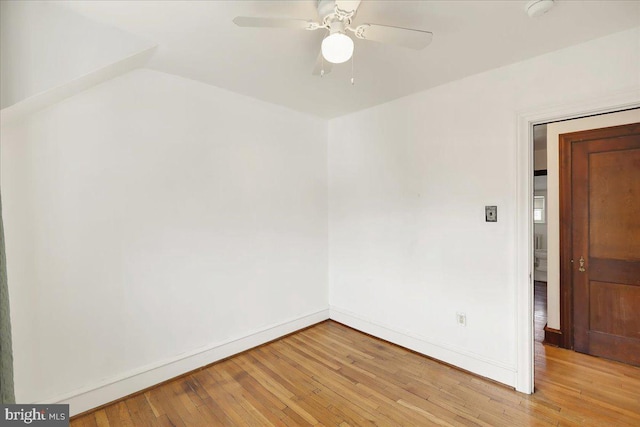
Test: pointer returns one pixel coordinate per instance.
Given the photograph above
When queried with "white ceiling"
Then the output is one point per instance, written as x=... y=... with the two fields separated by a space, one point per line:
x=197 y=40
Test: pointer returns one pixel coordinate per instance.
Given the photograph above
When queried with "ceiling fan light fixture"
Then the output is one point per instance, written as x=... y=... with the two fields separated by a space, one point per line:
x=337 y=48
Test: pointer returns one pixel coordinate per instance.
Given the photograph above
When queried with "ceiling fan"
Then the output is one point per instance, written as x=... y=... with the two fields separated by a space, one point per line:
x=336 y=16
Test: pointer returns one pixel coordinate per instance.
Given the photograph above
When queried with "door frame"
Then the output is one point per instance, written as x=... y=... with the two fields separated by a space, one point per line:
x=566 y=242
x=524 y=375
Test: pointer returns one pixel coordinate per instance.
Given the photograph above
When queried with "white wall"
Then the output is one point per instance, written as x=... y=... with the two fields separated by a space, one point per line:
x=151 y=218
x=553 y=211
x=408 y=182
x=44 y=46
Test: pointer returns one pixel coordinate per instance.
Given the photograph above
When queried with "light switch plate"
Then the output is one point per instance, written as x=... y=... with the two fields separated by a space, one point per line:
x=491 y=213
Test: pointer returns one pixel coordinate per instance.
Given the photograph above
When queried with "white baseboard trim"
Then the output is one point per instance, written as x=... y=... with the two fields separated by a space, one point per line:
x=130 y=382
x=461 y=358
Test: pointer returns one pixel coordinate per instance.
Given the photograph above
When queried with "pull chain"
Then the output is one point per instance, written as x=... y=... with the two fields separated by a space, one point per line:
x=352 y=79
x=322 y=56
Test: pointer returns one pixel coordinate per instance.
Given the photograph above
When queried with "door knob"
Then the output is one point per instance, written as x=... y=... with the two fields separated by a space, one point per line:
x=581 y=268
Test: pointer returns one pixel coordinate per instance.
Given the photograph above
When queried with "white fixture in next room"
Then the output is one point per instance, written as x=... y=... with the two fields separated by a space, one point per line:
x=540 y=264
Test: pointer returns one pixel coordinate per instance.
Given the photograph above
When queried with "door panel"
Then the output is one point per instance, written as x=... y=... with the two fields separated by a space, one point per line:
x=612 y=237
x=614 y=347
x=613 y=307
x=614 y=270
x=605 y=241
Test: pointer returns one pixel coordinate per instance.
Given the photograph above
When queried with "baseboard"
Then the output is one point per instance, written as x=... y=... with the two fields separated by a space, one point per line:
x=461 y=358
x=131 y=382
x=552 y=336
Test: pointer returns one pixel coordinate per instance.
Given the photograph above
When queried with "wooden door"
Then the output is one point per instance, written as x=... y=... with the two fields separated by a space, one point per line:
x=604 y=231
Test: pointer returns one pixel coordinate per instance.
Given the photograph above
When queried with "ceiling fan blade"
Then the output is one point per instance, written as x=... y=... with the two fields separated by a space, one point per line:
x=407 y=37
x=348 y=5
x=296 y=24
x=321 y=64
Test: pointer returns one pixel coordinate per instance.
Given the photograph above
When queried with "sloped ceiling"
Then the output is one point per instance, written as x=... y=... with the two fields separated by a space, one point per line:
x=44 y=47
x=197 y=40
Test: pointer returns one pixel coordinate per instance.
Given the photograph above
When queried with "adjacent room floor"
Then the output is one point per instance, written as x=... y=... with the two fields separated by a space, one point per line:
x=332 y=375
x=539 y=310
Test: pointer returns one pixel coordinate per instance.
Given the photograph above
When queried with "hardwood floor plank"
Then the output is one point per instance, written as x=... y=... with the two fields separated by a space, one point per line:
x=276 y=388
x=101 y=418
x=220 y=392
x=352 y=417
x=425 y=413
x=156 y=406
x=118 y=415
x=325 y=377
x=212 y=407
x=162 y=399
x=235 y=375
x=140 y=410
x=87 y=421
x=182 y=403
x=90 y=421
x=164 y=421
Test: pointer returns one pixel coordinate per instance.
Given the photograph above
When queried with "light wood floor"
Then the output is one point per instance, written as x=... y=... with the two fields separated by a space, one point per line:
x=334 y=376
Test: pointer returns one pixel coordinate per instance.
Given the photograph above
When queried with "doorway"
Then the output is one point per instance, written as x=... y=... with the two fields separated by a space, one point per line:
x=540 y=238
x=568 y=119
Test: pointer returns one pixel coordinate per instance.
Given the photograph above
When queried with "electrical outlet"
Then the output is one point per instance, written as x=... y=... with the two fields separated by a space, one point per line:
x=462 y=319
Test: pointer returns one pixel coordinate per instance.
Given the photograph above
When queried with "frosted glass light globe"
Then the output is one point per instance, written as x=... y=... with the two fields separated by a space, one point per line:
x=337 y=48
